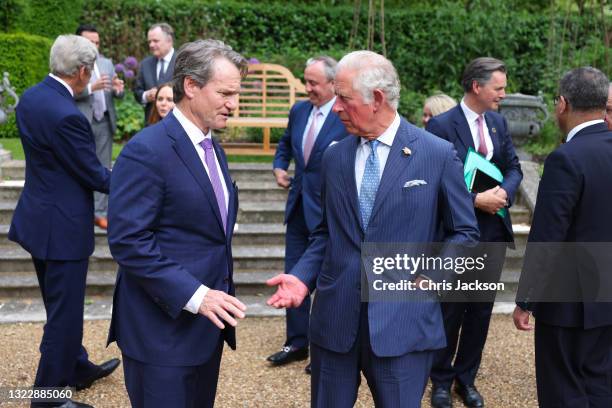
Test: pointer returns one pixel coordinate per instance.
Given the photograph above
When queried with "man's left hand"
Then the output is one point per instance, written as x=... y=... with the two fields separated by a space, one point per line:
x=118 y=84
x=521 y=319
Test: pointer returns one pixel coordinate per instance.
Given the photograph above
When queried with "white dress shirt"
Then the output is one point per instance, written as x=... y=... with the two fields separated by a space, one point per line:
x=324 y=110
x=61 y=81
x=471 y=117
x=581 y=126
x=197 y=136
x=384 y=147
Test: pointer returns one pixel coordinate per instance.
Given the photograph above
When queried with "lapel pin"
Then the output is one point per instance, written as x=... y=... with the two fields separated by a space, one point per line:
x=406 y=151
x=493 y=130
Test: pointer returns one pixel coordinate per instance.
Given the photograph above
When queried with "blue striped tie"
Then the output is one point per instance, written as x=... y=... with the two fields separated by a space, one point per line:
x=369 y=185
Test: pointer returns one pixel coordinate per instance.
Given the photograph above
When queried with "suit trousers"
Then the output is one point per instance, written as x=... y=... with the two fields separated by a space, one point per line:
x=63 y=359
x=153 y=386
x=466 y=324
x=296 y=242
x=394 y=381
x=104 y=150
x=573 y=366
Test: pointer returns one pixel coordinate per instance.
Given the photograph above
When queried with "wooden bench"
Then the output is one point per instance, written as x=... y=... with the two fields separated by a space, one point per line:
x=266 y=96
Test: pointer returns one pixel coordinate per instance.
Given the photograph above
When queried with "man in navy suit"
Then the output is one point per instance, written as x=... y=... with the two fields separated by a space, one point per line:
x=573 y=340
x=312 y=128
x=53 y=220
x=391 y=182
x=475 y=124
x=157 y=68
x=172 y=211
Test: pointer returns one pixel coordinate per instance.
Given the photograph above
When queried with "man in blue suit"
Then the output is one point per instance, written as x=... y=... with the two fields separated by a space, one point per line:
x=391 y=182
x=53 y=220
x=475 y=124
x=172 y=211
x=312 y=128
x=573 y=340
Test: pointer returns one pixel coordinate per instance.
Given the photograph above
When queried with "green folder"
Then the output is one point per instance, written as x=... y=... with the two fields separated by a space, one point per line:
x=474 y=164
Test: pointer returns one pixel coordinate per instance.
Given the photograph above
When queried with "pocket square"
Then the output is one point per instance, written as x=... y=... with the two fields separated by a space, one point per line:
x=333 y=142
x=414 y=183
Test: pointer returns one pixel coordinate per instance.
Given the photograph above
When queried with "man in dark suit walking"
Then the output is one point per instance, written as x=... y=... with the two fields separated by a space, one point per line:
x=391 y=182
x=98 y=105
x=573 y=340
x=172 y=211
x=157 y=68
x=475 y=124
x=312 y=128
x=53 y=220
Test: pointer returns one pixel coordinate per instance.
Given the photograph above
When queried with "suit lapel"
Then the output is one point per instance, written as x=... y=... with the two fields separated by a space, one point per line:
x=231 y=191
x=396 y=164
x=494 y=137
x=325 y=136
x=348 y=175
x=463 y=128
x=300 y=128
x=187 y=153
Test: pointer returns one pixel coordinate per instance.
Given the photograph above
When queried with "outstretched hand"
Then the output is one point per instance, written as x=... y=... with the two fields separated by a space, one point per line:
x=290 y=293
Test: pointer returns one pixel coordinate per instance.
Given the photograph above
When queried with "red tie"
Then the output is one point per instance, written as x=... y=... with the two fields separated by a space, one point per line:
x=482 y=145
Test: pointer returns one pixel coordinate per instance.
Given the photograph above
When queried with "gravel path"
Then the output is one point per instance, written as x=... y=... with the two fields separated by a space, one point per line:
x=506 y=377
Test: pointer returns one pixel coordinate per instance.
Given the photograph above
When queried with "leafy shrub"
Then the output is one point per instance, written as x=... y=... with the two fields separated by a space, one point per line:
x=130 y=115
x=47 y=18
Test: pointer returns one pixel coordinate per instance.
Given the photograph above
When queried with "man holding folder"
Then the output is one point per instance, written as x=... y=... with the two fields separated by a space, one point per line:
x=474 y=124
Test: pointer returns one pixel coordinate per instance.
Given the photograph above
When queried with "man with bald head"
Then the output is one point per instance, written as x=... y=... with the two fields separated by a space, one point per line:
x=390 y=182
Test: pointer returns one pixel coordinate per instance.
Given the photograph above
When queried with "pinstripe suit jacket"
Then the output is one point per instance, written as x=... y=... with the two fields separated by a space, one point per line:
x=332 y=262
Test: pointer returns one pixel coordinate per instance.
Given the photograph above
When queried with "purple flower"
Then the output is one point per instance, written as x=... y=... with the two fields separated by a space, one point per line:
x=253 y=61
x=131 y=62
x=119 y=68
x=129 y=73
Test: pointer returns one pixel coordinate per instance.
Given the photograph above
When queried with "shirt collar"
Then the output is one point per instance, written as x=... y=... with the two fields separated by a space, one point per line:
x=327 y=107
x=195 y=134
x=581 y=126
x=470 y=115
x=61 y=81
x=168 y=57
x=388 y=136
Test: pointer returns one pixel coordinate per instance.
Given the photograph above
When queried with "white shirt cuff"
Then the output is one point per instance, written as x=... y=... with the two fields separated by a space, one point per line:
x=194 y=303
x=89 y=89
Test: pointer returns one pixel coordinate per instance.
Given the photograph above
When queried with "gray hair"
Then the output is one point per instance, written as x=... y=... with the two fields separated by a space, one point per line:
x=585 y=89
x=197 y=59
x=480 y=70
x=71 y=52
x=329 y=65
x=373 y=72
x=166 y=29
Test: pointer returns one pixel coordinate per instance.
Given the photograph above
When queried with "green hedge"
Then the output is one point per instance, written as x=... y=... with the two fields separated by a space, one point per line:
x=26 y=59
x=47 y=18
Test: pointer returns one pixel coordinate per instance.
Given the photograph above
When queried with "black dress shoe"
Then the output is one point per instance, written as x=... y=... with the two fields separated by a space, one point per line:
x=74 y=404
x=104 y=370
x=288 y=354
x=470 y=396
x=441 y=397
x=308 y=369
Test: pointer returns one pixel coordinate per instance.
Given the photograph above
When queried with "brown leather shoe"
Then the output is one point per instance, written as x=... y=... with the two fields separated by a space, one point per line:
x=101 y=222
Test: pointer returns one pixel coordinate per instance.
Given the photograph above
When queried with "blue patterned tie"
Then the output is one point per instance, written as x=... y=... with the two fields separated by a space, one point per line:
x=369 y=185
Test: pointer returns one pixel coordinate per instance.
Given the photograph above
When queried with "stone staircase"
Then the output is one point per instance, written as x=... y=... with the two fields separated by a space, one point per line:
x=258 y=249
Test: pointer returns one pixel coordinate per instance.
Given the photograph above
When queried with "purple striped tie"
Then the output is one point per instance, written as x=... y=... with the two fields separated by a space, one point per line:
x=213 y=174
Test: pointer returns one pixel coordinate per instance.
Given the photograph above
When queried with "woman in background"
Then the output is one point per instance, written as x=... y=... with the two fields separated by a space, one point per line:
x=435 y=105
x=164 y=102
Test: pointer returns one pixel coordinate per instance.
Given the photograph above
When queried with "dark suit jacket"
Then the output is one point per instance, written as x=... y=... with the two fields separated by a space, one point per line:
x=306 y=184
x=332 y=262
x=147 y=79
x=165 y=231
x=54 y=216
x=573 y=205
x=85 y=99
x=453 y=126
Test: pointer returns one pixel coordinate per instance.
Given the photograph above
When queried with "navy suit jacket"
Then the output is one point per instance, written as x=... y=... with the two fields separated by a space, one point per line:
x=166 y=233
x=332 y=262
x=453 y=126
x=573 y=205
x=306 y=184
x=147 y=79
x=54 y=216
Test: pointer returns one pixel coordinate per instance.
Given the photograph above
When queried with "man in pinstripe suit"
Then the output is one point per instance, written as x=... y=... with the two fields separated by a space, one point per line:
x=370 y=193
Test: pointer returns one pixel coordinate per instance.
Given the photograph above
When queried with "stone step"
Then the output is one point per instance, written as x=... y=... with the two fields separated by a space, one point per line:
x=100 y=307
x=102 y=283
x=240 y=172
x=244 y=234
x=261 y=191
x=267 y=258
x=520 y=214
